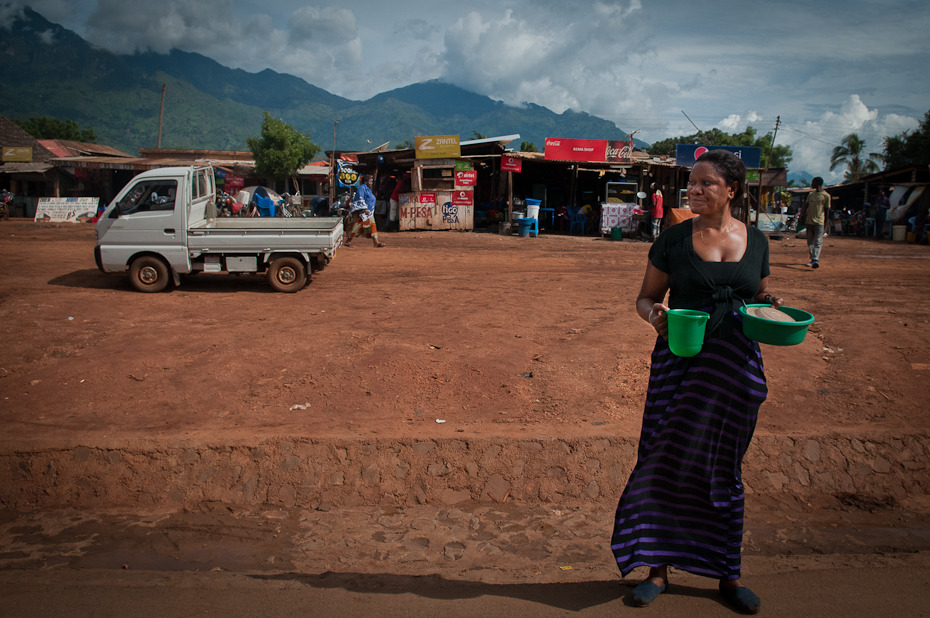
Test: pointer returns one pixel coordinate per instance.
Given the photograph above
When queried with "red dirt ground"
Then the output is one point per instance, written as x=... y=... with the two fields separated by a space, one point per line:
x=495 y=335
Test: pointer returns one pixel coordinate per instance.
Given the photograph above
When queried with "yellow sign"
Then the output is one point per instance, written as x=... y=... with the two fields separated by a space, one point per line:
x=437 y=147
x=17 y=153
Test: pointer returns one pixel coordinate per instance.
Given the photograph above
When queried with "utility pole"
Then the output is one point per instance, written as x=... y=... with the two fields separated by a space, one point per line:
x=332 y=168
x=161 y=114
x=630 y=135
x=772 y=144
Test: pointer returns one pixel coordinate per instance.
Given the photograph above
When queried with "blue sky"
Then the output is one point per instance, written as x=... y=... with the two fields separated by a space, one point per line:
x=825 y=68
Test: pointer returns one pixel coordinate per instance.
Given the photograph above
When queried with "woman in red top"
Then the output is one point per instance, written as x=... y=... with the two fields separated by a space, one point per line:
x=657 y=211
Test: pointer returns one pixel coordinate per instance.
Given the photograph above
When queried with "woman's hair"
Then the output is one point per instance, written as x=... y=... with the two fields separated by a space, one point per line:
x=730 y=167
x=365 y=178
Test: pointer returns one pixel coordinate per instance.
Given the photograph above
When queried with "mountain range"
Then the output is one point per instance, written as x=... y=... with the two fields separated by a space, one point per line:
x=48 y=70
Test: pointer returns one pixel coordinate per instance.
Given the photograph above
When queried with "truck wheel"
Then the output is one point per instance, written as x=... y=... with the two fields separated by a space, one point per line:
x=287 y=274
x=148 y=274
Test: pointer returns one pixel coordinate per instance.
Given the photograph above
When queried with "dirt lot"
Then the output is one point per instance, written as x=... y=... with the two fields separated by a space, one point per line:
x=224 y=393
x=491 y=334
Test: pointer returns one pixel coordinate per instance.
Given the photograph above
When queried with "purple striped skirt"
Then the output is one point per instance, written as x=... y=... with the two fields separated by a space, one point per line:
x=683 y=503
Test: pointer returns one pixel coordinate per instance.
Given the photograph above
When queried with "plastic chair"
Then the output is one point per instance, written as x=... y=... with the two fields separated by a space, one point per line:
x=535 y=226
x=527 y=226
x=577 y=220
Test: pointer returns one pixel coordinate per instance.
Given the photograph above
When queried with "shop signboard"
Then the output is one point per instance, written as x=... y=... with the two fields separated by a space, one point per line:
x=346 y=174
x=687 y=154
x=440 y=210
x=72 y=209
x=511 y=164
x=619 y=152
x=587 y=150
x=463 y=197
x=18 y=154
x=466 y=178
x=437 y=147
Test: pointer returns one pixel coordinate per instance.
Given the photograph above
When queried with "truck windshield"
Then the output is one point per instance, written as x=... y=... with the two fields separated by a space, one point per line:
x=149 y=195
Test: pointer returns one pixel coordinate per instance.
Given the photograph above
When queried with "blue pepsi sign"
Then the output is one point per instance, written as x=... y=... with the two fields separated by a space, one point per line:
x=687 y=154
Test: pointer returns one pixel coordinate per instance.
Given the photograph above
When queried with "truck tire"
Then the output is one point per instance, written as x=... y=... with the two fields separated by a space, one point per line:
x=148 y=274
x=287 y=274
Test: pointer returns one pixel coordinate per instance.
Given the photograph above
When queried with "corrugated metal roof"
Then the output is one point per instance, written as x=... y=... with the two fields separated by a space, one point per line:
x=33 y=167
x=71 y=148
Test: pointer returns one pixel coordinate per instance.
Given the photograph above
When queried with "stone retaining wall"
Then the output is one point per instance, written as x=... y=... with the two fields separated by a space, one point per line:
x=307 y=472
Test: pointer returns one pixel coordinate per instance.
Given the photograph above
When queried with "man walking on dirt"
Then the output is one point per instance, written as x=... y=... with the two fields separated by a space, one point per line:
x=818 y=210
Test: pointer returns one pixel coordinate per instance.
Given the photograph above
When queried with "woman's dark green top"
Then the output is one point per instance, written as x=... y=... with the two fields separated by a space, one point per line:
x=719 y=286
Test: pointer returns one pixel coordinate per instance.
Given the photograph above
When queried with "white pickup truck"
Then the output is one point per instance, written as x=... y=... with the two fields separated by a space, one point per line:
x=163 y=225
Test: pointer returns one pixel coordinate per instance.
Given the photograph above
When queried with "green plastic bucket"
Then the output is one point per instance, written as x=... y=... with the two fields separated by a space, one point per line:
x=686 y=331
x=616 y=233
x=773 y=332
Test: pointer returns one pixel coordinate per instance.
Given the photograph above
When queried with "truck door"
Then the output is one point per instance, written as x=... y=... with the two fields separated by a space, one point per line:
x=149 y=217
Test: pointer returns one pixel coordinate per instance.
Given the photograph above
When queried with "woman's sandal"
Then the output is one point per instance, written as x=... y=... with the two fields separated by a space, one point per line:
x=379 y=244
x=647 y=592
x=741 y=598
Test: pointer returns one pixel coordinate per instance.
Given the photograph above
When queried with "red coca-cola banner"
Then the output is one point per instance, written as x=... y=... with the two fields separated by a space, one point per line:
x=561 y=149
x=511 y=164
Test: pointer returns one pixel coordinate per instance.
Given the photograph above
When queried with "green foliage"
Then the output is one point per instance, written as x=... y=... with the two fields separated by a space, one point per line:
x=908 y=148
x=43 y=127
x=477 y=135
x=851 y=153
x=528 y=147
x=785 y=198
x=405 y=145
x=281 y=150
x=777 y=157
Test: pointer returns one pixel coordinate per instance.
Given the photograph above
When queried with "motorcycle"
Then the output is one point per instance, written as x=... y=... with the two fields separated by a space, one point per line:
x=227 y=206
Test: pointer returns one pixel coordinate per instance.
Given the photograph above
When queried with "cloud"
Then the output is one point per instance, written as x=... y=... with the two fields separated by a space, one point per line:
x=141 y=25
x=737 y=123
x=56 y=11
x=319 y=44
x=547 y=55
x=812 y=141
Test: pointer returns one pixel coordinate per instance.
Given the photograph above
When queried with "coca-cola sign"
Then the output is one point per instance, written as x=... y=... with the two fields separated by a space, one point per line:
x=619 y=152
x=561 y=149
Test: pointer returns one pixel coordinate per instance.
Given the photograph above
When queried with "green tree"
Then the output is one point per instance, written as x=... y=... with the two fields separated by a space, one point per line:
x=281 y=150
x=43 y=127
x=908 y=148
x=477 y=135
x=851 y=153
x=528 y=147
x=778 y=156
x=405 y=145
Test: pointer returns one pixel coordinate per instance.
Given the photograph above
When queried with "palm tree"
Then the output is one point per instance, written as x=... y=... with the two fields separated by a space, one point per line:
x=851 y=153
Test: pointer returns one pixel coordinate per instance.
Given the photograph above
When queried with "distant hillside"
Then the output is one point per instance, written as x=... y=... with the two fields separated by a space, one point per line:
x=48 y=70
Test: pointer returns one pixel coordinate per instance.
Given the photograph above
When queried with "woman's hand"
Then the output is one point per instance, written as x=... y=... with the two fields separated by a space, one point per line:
x=658 y=319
